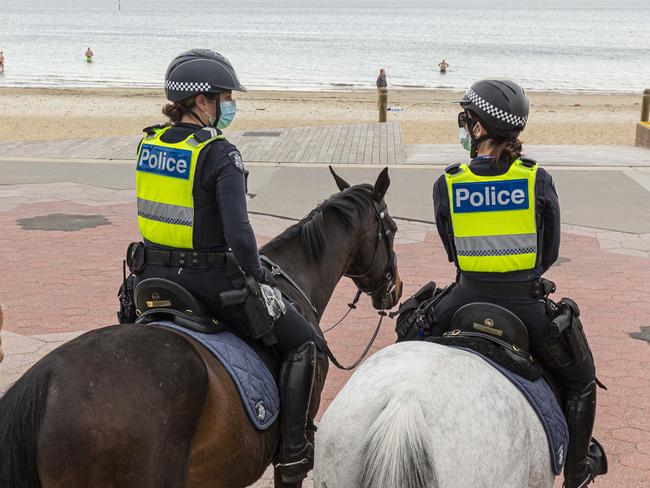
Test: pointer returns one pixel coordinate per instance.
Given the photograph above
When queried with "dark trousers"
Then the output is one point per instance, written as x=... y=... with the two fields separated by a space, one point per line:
x=533 y=313
x=292 y=330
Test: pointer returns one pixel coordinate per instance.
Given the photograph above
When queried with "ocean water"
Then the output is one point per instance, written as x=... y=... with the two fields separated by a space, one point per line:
x=592 y=45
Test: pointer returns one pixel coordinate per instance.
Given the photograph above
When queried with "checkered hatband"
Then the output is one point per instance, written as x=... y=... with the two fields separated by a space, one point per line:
x=496 y=112
x=187 y=86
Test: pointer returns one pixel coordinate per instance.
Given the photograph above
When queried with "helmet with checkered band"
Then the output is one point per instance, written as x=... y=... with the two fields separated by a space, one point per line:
x=200 y=71
x=502 y=106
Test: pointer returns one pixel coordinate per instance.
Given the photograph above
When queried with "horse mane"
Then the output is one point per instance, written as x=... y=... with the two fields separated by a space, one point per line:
x=310 y=229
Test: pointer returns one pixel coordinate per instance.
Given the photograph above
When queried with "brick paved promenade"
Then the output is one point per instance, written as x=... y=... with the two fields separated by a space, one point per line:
x=57 y=284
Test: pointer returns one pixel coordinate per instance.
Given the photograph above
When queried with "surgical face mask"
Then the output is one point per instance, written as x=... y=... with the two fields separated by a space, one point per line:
x=465 y=139
x=228 y=108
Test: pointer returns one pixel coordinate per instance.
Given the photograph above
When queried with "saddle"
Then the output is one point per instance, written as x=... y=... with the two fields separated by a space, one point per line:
x=158 y=299
x=494 y=332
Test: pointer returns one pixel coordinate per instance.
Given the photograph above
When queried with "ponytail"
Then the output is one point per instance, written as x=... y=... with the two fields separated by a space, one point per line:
x=505 y=152
x=174 y=111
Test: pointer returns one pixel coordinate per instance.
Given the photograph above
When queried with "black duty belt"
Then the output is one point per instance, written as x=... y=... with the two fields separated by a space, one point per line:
x=184 y=259
x=504 y=289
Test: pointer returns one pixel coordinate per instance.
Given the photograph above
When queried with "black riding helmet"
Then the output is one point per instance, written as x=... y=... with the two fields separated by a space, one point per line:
x=501 y=105
x=200 y=71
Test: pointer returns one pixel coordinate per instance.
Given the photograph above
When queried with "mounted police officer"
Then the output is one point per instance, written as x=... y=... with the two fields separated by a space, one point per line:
x=191 y=194
x=499 y=220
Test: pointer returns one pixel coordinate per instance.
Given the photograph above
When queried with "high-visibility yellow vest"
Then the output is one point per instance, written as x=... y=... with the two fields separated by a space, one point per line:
x=164 y=182
x=493 y=218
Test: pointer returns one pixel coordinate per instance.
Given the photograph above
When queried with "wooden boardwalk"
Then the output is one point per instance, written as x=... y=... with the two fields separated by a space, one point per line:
x=379 y=144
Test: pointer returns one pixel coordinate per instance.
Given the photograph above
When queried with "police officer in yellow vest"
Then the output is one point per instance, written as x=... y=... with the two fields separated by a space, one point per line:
x=190 y=187
x=499 y=220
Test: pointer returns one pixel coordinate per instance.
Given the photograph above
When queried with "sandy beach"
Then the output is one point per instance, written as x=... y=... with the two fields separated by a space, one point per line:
x=428 y=116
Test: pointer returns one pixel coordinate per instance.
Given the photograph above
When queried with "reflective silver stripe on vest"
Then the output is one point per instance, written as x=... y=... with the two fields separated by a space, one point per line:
x=505 y=245
x=165 y=213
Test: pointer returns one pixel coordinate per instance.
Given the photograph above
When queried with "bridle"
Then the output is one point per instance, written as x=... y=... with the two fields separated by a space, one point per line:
x=388 y=279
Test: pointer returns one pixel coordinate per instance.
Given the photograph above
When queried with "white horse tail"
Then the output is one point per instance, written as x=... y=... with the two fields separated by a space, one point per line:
x=397 y=452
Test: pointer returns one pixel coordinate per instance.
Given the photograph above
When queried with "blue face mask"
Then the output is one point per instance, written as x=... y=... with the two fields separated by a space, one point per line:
x=465 y=139
x=227 y=108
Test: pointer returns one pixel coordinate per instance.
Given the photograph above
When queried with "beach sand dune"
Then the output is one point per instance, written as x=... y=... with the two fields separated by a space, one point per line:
x=428 y=117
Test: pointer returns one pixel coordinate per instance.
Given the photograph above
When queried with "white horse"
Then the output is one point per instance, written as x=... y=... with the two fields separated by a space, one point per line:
x=422 y=415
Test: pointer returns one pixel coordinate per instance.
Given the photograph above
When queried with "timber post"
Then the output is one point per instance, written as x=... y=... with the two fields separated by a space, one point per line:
x=383 y=104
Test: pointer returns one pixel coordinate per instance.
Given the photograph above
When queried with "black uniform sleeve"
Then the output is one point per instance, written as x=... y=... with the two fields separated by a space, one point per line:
x=442 y=214
x=550 y=218
x=231 y=191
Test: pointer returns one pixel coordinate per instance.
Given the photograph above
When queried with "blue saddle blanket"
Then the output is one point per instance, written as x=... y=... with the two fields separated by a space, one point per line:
x=255 y=383
x=541 y=398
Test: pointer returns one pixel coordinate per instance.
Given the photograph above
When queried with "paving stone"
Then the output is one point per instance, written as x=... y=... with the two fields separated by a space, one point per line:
x=56 y=285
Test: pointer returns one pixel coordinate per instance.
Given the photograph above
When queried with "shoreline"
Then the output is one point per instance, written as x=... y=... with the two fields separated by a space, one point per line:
x=428 y=116
x=331 y=89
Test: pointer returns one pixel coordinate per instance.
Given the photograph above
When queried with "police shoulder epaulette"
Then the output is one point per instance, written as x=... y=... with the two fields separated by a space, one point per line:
x=528 y=162
x=206 y=134
x=452 y=169
x=153 y=128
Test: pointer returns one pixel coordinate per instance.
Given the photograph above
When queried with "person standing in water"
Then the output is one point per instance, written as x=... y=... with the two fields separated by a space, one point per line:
x=2 y=62
x=443 y=66
x=89 y=55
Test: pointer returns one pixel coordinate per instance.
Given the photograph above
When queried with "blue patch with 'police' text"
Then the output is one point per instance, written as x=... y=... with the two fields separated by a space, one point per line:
x=165 y=161
x=490 y=196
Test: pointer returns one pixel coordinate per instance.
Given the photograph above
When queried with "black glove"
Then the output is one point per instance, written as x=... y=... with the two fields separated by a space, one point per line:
x=267 y=278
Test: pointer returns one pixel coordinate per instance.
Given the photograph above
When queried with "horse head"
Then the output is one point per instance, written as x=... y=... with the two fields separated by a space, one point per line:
x=373 y=264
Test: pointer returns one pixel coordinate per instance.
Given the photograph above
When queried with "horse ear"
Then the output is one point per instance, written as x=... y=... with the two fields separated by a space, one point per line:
x=381 y=185
x=340 y=182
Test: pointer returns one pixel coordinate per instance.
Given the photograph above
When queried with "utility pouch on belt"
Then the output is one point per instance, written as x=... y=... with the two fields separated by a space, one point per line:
x=126 y=315
x=135 y=259
x=566 y=343
x=258 y=322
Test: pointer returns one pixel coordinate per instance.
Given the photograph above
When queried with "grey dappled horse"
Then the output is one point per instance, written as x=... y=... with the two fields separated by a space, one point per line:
x=418 y=415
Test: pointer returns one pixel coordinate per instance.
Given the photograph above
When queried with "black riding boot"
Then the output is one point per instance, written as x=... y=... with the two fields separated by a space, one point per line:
x=585 y=458
x=296 y=380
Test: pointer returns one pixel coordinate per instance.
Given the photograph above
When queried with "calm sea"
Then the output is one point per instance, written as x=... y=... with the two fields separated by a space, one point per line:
x=328 y=44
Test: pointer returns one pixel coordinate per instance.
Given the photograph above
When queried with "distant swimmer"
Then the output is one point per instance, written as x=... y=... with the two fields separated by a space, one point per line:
x=443 y=66
x=89 y=55
x=381 y=79
x=2 y=62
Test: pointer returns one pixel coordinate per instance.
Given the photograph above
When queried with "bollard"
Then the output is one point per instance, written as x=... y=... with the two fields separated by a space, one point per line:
x=383 y=104
x=645 y=105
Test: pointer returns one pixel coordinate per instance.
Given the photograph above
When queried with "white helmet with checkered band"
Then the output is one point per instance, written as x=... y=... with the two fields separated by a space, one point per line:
x=502 y=106
x=200 y=71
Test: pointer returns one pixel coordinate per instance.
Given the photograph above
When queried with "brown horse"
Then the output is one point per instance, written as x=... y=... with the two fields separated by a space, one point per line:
x=137 y=406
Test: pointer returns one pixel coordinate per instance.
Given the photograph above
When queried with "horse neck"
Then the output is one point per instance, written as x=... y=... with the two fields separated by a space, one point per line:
x=318 y=277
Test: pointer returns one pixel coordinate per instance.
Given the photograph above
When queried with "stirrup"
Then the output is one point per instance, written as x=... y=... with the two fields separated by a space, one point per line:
x=295 y=471
x=596 y=464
